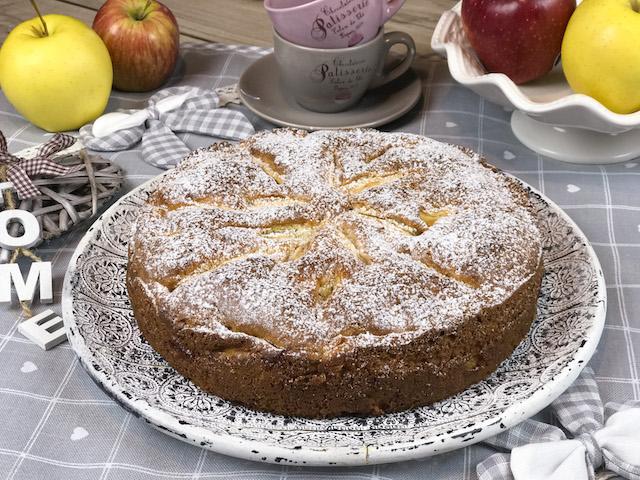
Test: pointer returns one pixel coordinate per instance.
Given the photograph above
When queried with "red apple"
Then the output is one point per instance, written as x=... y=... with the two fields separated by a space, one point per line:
x=520 y=38
x=143 y=40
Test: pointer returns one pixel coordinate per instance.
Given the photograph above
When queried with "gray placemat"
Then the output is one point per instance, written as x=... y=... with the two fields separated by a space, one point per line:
x=55 y=423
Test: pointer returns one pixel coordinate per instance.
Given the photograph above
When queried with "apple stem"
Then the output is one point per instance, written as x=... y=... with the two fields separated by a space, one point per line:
x=635 y=6
x=141 y=14
x=45 y=32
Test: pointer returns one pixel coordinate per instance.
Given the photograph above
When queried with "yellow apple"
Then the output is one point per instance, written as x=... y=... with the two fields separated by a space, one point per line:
x=600 y=54
x=58 y=81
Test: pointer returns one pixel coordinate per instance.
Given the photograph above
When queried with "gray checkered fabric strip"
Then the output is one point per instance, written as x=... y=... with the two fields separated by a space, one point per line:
x=494 y=467
x=161 y=147
x=580 y=411
x=117 y=141
x=524 y=432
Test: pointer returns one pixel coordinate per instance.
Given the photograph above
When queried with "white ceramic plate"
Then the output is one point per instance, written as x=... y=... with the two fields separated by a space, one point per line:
x=104 y=335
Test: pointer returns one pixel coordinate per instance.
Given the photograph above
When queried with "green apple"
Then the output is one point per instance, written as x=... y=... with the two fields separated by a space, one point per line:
x=58 y=78
x=600 y=54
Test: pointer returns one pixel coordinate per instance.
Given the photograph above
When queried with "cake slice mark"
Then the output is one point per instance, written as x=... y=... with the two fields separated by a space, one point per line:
x=204 y=202
x=256 y=201
x=450 y=273
x=297 y=237
x=300 y=246
x=302 y=241
x=255 y=331
x=430 y=218
x=371 y=180
x=205 y=267
x=267 y=162
x=355 y=330
x=289 y=231
x=337 y=170
x=327 y=284
x=259 y=201
x=354 y=244
x=298 y=250
x=294 y=251
x=404 y=225
x=329 y=281
x=377 y=153
x=232 y=351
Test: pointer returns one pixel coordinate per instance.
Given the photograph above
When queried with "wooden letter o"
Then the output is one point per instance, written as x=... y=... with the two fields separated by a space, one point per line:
x=30 y=224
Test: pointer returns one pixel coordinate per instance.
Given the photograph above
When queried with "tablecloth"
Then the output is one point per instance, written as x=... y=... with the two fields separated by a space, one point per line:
x=55 y=423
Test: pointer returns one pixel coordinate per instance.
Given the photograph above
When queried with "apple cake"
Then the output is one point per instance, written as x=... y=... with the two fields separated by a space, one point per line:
x=335 y=272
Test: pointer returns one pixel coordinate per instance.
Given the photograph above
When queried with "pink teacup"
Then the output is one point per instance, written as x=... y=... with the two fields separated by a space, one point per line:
x=330 y=23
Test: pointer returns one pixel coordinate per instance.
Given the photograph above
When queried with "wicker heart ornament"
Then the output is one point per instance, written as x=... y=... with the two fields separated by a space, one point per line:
x=66 y=200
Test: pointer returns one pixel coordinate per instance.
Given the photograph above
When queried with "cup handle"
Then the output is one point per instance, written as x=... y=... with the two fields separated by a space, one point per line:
x=391 y=39
x=390 y=9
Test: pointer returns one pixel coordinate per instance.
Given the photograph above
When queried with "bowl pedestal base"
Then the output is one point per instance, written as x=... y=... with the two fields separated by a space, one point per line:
x=575 y=145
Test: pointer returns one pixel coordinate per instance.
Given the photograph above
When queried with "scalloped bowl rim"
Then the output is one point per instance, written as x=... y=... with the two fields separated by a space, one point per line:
x=511 y=91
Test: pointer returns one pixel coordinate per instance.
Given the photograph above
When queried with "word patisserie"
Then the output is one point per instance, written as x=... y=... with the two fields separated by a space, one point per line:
x=330 y=23
x=340 y=20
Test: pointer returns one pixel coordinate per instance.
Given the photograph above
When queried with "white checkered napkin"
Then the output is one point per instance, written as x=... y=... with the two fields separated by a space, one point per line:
x=540 y=451
x=161 y=147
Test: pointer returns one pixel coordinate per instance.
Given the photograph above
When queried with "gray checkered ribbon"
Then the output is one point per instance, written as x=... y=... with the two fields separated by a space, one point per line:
x=543 y=452
x=161 y=147
x=20 y=170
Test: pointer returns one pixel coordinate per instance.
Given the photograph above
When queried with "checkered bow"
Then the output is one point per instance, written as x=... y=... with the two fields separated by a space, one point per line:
x=20 y=170
x=542 y=452
x=161 y=147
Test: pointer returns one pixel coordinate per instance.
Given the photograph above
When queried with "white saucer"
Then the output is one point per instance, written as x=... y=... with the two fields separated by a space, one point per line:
x=261 y=91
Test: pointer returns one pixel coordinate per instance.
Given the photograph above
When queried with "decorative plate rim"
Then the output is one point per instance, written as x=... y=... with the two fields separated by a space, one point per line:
x=231 y=445
x=453 y=53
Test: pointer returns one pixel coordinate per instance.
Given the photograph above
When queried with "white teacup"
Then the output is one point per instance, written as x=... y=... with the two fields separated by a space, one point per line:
x=332 y=80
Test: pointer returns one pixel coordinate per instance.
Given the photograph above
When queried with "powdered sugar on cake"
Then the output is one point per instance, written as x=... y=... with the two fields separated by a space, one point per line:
x=319 y=241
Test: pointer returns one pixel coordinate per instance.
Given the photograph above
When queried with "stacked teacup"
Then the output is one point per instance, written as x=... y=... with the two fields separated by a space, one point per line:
x=330 y=52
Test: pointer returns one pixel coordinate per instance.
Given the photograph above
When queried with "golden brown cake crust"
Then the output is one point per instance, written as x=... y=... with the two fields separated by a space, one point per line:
x=349 y=272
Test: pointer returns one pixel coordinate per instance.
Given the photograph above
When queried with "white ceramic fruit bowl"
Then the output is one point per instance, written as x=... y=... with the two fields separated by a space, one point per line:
x=548 y=117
